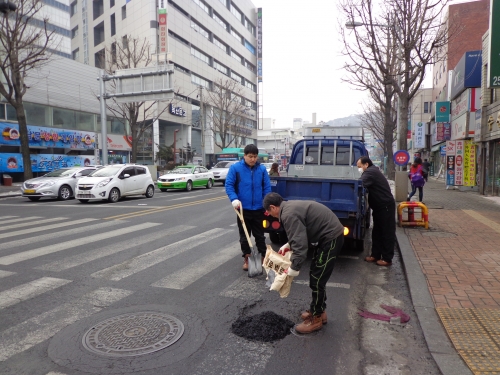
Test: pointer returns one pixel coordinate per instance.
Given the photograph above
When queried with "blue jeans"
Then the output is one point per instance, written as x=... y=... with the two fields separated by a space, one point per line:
x=414 y=190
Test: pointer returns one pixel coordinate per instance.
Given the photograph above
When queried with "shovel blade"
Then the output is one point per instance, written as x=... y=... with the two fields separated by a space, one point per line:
x=254 y=264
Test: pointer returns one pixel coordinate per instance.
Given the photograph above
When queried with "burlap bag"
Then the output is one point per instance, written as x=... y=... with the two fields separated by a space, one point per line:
x=279 y=263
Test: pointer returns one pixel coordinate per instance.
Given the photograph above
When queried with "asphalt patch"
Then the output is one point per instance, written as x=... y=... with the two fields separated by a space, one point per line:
x=263 y=327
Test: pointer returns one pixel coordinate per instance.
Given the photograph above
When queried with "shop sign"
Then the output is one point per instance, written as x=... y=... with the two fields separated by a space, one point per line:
x=442 y=150
x=401 y=157
x=467 y=73
x=420 y=135
x=177 y=111
x=477 y=128
x=117 y=142
x=494 y=47
x=459 y=127
x=43 y=162
x=442 y=111
x=469 y=164
x=460 y=105
x=162 y=25
x=446 y=131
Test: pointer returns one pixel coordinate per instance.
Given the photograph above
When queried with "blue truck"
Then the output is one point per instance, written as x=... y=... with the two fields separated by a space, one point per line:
x=323 y=168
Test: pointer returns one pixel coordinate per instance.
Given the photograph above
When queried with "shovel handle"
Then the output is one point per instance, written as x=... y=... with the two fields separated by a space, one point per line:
x=240 y=215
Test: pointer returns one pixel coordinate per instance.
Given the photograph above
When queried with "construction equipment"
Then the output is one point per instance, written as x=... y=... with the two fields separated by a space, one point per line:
x=254 y=260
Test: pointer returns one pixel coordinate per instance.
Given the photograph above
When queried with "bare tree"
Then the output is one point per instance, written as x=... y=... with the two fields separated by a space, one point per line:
x=24 y=47
x=227 y=123
x=415 y=28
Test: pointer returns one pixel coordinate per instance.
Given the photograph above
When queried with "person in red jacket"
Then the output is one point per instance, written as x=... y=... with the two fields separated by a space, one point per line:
x=417 y=179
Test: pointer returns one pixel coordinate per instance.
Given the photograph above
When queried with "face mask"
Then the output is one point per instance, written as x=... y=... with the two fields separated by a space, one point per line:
x=360 y=170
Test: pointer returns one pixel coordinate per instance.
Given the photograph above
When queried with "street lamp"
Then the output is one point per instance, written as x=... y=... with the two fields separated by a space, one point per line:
x=175 y=140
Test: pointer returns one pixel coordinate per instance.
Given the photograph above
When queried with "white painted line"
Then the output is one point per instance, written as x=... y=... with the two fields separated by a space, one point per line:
x=141 y=262
x=102 y=252
x=29 y=223
x=329 y=285
x=7 y=217
x=6 y=273
x=237 y=356
x=35 y=253
x=60 y=234
x=46 y=228
x=195 y=271
x=33 y=331
x=8 y=221
x=55 y=373
x=245 y=288
x=29 y=290
x=347 y=257
x=233 y=225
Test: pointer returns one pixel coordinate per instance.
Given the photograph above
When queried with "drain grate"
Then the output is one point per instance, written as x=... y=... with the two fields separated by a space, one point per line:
x=133 y=334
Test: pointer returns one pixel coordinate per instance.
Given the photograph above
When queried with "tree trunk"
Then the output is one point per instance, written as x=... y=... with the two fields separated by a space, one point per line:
x=23 y=134
x=389 y=140
x=403 y=121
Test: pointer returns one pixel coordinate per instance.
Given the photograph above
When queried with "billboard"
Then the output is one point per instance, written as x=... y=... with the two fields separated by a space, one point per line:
x=43 y=162
x=493 y=80
x=442 y=111
x=467 y=73
x=419 y=135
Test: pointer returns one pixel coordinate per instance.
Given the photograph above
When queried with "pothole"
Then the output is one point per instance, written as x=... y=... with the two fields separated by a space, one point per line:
x=264 y=327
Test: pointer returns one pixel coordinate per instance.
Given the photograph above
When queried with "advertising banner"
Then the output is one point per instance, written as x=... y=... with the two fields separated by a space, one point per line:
x=439 y=132
x=43 y=162
x=477 y=128
x=162 y=25
x=446 y=131
x=494 y=47
x=259 y=44
x=459 y=127
x=419 y=135
x=467 y=73
x=47 y=137
x=117 y=142
x=442 y=112
x=459 y=163
x=451 y=147
x=469 y=164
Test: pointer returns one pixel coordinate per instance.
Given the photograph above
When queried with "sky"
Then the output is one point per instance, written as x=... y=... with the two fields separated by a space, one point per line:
x=302 y=63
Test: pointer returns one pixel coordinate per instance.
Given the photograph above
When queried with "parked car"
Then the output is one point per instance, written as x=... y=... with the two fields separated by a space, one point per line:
x=268 y=166
x=186 y=177
x=60 y=183
x=114 y=182
x=220 y=170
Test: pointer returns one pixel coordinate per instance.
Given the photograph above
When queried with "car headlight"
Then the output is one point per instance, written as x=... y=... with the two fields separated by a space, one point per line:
x=180 y=179
x=103 y=183
x=47 y=184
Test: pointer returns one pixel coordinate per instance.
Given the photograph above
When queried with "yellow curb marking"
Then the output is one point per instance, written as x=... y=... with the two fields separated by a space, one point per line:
x=493 y=225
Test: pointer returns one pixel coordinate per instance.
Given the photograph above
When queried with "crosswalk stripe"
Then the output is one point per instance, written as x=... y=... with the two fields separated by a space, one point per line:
x=29 y=290
x=55 y=373
x=17 y=220
x=195 y=271
x=92 y=255
x=141 y=262
x=50 y=236
x=245 y=288
x=329 y=285
x=44 y=228
x=30 y=223
x=35 y=253
x=222 y=362
x=6 y=273
x=42 y=327
x=7 y=217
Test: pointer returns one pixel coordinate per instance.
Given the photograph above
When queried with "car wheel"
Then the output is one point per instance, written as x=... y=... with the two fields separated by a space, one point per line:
x=189 y=186
x=83 y=200
x=163 y=190
x=210 y=183
x=114 y=195
x=65 y=193
x=34 y=199
x=150 y=191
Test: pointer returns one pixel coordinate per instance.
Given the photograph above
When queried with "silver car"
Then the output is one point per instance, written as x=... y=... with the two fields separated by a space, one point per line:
x=220 y=170
x=59 y=183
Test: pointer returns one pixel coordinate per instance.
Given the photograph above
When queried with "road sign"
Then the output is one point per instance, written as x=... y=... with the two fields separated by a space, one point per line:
x=401 y=157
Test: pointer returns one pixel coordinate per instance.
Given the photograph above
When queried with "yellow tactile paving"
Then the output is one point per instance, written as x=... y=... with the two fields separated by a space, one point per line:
x=475 y=333
x=493 y=225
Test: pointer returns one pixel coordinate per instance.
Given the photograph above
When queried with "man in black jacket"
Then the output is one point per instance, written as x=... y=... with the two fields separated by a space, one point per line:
x=383 y=206
x=308 y=222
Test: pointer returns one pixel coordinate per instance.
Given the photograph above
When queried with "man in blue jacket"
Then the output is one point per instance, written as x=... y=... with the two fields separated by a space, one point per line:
x=247 y=183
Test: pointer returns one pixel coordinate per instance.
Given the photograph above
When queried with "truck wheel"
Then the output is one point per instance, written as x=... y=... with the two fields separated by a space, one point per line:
x=274 y=237
x=359 y=245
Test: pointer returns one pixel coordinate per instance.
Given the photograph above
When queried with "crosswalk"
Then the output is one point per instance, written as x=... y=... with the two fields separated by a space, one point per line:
x=47 y=258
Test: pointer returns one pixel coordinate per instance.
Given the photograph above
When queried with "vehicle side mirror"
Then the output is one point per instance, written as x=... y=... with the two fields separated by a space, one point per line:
x=126 y=175
x=195 y=172
x=79 y=174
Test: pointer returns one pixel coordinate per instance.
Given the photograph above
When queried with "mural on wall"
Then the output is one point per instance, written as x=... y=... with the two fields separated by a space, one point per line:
x=43 y=162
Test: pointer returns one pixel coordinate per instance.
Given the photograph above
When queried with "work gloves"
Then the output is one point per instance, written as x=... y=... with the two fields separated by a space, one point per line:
x=236 y=204
x=291 y=272
x=284 y=249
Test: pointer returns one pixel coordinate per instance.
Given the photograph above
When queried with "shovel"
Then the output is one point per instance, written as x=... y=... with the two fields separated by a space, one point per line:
x=254 y=260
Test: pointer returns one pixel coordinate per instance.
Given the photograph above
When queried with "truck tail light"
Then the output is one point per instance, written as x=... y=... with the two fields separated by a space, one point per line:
x=346 y=231
x=265 y=224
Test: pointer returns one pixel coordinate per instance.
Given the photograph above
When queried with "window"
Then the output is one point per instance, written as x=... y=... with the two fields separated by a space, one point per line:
x=73 y=8
x=86 y=172
x=327 y=155
x=100 y=59
x=249 y=47
x=236 y=12
x=200 y=55
x=75 y=54
x=426 y=107
x=177 y=37
x=97 y=8
x=124 y=11
x=129 y=170
x=64 y=118
x=2 y=111
x=250 y=66
x=113 y=24
x=236 y=56
x=140 y=170
x=236 y=77
x=200 y=29
x=111 y=3
x=249 y=26
x=250 y=85
x=74 y=33
x=124 y=42
x=237 y=36
x=200 y=81
x=37 y=114
x=99 y=34
x=223 y=2
x=202 y=5
x=219 y=20
x=221 y=68
x=312 y=155
x=219 y=44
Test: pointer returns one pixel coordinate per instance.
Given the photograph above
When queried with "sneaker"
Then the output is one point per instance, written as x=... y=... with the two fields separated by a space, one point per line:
x=307 y=314
x=382 y=262
x=371 y=259
x=245 y=263
x=311 y=324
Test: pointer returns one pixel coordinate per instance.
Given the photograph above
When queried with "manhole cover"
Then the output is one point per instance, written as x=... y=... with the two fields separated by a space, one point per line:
x=264 y=327
x=133 y=334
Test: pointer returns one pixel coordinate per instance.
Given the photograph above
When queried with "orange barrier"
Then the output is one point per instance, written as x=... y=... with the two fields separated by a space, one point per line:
x=423 y=222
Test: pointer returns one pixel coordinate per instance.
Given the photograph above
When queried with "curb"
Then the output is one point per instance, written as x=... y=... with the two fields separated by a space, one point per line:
x=10 y=194
x=440 y=346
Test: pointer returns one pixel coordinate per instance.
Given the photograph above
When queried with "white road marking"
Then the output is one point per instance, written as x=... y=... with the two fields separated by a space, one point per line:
x=7 y=217
x=195 y=271
x=33 y=331
x=329 y=285
x=102 y=252
x=6 y=273
x=84 y=240
x=55 y=373
x=233 y=225
x=43 y=228
x=141 y=262
x=29 y=290
x=8 y=221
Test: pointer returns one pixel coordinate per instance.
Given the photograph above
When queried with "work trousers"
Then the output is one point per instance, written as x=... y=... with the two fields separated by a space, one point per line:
x=321 y=269
x=253 y=222
x=384 y=232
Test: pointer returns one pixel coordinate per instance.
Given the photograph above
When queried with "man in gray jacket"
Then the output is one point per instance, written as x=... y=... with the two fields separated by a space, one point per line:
x=308 y=222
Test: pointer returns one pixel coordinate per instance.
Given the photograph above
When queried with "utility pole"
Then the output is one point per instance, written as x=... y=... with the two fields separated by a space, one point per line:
x=202 y=124
x=104 y=135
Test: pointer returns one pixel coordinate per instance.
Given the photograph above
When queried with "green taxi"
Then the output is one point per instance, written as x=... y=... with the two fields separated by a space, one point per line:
x=186 y=177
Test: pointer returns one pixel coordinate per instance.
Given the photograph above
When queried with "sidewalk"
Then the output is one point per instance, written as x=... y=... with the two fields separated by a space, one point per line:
x=10 y=191
x=453 y=270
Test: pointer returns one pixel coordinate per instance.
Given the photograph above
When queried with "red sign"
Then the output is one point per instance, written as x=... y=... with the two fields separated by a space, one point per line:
x=458 y=160
x=401 y=157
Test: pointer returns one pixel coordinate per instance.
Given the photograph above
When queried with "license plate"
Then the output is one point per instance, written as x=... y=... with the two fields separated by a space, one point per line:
x=30 y=191
x=81 y=192
x=168 y=184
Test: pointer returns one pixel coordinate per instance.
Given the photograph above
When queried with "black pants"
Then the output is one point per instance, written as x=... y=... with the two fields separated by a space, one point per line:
x=253 y=222
x=321 y=269
x=384 y=232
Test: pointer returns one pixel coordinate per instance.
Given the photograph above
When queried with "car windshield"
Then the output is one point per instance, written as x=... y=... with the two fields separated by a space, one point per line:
x=106 y=171
x=223 y=164
x=61 y=172
x=181 y=171
x=268 y=165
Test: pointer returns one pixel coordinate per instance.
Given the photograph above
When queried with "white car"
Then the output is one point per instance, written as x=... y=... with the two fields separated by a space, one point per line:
x=220 y=170
x=186 y=177
x=268 y=166
x=115 y=181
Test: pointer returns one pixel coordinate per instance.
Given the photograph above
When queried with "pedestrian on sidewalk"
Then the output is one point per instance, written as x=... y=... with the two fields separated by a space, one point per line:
x=308 y=222
x=426 y=166
x=416 y=176
x=247 y=183
x=382 y=203
x=274 y=170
